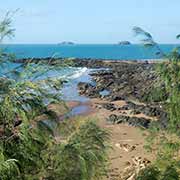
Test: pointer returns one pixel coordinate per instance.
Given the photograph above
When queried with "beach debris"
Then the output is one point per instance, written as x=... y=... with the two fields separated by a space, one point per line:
x=126 y=147
x=132 y=169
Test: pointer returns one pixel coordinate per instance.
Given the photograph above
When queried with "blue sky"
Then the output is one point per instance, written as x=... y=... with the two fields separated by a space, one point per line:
x=92 y=21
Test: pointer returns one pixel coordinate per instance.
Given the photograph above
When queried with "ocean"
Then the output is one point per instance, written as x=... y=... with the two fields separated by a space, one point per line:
x=76 y=75
x=116 y=52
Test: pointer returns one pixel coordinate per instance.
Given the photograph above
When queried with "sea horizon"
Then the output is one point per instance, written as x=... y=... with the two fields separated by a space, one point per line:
x=59 y=43
x=92 y=51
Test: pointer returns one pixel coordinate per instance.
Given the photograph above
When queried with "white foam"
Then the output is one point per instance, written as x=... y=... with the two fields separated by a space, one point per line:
x=78 y=73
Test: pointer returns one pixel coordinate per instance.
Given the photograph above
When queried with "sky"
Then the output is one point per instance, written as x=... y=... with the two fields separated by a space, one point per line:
x=92 y=21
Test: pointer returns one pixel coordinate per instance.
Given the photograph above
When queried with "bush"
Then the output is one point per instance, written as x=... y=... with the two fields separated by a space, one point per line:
x=83 y=156
x=149 y=173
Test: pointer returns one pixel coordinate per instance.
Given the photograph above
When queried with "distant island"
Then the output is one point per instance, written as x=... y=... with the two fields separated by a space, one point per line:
x=124 y=43
x=66 y=43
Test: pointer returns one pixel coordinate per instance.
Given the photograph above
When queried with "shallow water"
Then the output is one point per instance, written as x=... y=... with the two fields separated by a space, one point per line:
x=70 y=89
x=78 y=110
x=104 y=92
x=73 y=75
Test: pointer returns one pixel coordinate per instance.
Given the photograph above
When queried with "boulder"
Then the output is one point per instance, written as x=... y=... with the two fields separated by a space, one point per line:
x=109 y=106
x=133 y=121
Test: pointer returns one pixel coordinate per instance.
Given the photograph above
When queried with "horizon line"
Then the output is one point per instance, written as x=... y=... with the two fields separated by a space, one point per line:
x=167 y=43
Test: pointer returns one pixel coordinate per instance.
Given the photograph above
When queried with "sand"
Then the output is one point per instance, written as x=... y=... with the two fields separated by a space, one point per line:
x=127 y=142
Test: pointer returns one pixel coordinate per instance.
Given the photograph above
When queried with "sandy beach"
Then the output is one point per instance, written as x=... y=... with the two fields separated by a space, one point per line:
x=126 y=142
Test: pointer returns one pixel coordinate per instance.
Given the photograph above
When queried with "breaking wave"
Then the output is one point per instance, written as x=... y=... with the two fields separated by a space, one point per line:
x=78 y=73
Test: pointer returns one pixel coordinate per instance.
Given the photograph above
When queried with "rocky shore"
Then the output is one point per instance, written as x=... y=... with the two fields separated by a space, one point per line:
x=128 y=81
x=119 y=94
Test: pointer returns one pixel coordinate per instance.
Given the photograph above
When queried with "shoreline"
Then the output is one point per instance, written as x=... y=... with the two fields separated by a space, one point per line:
x=76 y=60
x=122 y=80
x=123 y=112
x=115 y=95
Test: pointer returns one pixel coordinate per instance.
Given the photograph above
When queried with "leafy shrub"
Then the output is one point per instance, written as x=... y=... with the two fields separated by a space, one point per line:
x=149 y=173
x=83 y=156
x=165 y=144
x=29 y=149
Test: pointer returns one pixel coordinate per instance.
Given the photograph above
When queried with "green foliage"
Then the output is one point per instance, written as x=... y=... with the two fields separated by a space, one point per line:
x=6 y=29
x=149 y=173
x=169 y=73
x=8 y=167
x=170 y=174
x=153 y=173
x=178 y=36
x=82 y=157
x=31 y=144
x=156 y=94
x=91 y=141
x=147 y=40
x=26 y=147
x=165 y=144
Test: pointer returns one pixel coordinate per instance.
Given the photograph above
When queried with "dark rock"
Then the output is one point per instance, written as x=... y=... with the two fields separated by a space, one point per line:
x=124 y=43
x=113 y=118
x=109 y=106
x=123 y=108
x=139 y=122
x=84 y=87
x=133 y=121
x=125 y=80
x=88 y=90
x=116 y=98
x=163 y=120
x=148 y=110
x=135 y=112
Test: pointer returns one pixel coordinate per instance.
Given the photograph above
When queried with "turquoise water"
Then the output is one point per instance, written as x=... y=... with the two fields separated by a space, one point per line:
x=126 y=52
x=73 y=75
x=76 y=75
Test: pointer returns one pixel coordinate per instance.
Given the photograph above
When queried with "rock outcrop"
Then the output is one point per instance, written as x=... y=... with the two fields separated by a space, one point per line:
x=124 y=43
